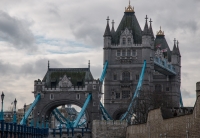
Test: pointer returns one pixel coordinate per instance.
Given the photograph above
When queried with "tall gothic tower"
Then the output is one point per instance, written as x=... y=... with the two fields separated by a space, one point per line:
x=125 y=50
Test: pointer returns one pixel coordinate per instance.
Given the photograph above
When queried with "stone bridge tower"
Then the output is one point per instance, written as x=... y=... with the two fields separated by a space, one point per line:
x=65 y=86
x=125 y=49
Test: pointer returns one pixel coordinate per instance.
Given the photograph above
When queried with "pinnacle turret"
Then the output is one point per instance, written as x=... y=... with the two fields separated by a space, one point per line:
x=178 y=51
x=113 y=28
x=107 y=31
x=146 y=28
x=150 y=29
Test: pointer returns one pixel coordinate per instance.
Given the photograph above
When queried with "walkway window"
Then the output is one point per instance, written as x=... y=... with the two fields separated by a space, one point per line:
x=158 y=88
x=123 y=53
x=129 y=41
x=51 y=96
x=124 y=41
x=118 y=53
x=126 y=76
x=125 y=94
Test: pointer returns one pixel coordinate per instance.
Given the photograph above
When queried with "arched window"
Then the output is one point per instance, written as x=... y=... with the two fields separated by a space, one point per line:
x=123 y=41
x=129 y=41
x=126 y=76
x=158 y=88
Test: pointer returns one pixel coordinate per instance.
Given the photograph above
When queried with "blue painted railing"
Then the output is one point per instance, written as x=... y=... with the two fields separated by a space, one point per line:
x=138 y=88
x=10 y=130
x=165 y=65
x=104 y=72
x=24 y=119
x=76 y=122
x=105 y=114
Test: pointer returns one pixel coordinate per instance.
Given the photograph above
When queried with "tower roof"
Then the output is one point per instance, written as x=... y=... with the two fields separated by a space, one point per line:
x=129 y=21
x=160 y=40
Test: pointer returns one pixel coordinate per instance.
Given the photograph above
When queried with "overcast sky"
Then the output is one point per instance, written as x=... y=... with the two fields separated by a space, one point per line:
x=68 y=33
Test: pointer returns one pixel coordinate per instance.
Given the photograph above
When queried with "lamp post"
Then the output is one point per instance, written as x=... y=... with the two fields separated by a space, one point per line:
x=14 y=116
x=42 y=121
x=24 y=122
x=2 y=115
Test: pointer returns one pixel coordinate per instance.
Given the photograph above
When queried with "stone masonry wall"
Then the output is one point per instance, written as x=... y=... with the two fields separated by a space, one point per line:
x=186 y=126
x=109 y=129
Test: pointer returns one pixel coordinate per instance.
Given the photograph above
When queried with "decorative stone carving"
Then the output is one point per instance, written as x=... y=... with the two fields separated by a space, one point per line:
x=65 y=82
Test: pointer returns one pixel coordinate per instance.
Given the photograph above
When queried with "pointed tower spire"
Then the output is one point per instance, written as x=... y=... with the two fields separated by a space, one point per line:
x=48 y=64
x=107 y=31
x=150 y=29
x=174 y=51
x=89 y=64
x=146 y=28
x=178 y=51
x=113 y=28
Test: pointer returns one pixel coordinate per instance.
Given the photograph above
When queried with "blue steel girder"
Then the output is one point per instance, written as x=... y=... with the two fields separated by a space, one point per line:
x=163 y=67
x=138 y=88
x=82 y=110
x=105 y=114
x=104 y=72
x=28 y=112
x=66 y=120
x=57 y=118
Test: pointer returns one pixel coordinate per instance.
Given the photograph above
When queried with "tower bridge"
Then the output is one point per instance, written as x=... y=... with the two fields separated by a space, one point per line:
x=136 y=66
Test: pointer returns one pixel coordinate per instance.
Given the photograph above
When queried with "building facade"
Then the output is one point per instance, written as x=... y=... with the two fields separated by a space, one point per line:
x=125 y=49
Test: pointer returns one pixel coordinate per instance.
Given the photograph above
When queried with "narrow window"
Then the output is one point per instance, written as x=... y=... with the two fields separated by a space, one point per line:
x=51 y=96
x=117 y=95
x=124 y=41
x=78 y=96
x=137 y=77
x=167 y=89
x=125 y=94
x=115 y=77
x=118 y=53
x=94 y=86
x=126 y=76
x=129 y=41
x=128 y=52
x=123 y=53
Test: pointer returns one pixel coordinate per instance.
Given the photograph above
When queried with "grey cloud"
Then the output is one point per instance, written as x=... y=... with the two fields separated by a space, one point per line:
x=16 y=32
x=186 y=94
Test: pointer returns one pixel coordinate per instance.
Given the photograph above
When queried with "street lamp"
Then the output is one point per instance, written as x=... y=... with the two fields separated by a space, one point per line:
x=2 y=97
x=24 y=114
x=14 y=116
x=47 y=122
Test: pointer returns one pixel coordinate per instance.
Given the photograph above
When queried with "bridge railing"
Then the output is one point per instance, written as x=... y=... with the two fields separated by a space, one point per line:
x=9 y=130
